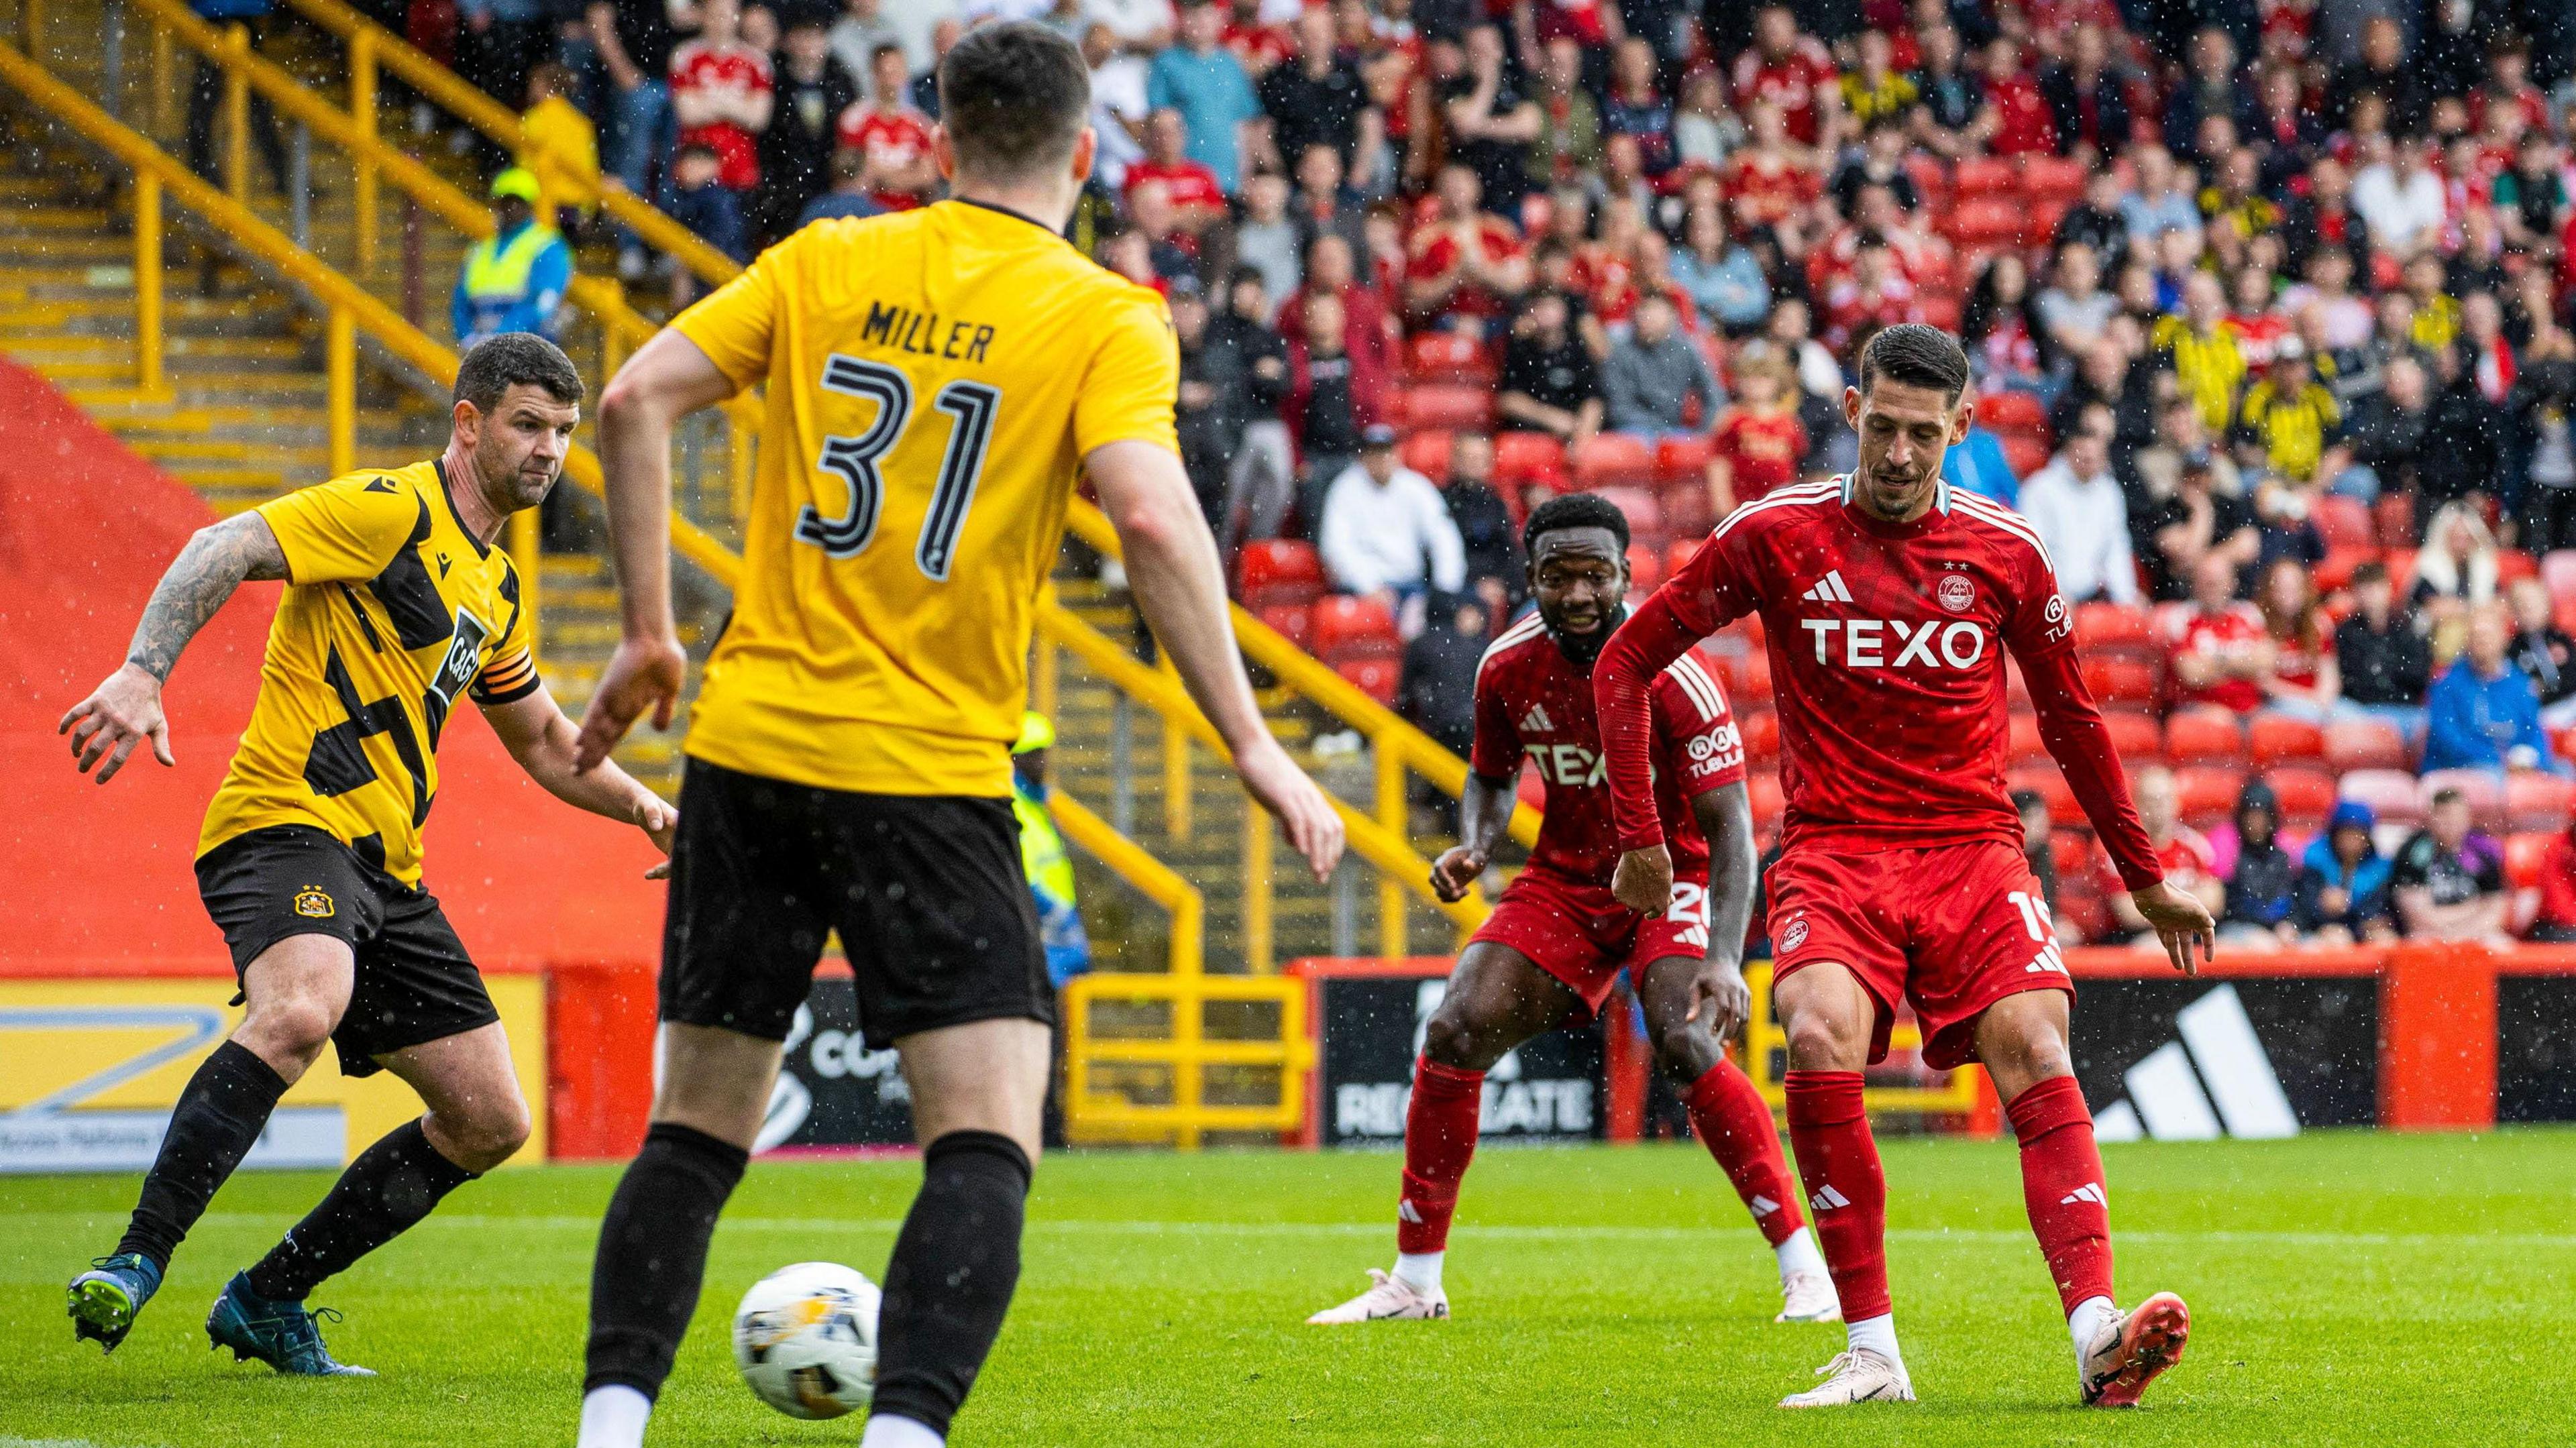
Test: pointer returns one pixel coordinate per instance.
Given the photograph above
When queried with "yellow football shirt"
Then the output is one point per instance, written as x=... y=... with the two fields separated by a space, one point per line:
x=935 y=378
x=392 y=611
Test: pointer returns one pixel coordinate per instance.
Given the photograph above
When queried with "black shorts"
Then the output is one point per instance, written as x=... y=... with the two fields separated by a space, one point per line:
x=926 y=890
x=414 y=981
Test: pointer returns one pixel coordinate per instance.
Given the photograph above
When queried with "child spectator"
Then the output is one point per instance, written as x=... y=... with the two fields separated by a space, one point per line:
x=1759 y=441
x=2305 y=682
x=2262 y=889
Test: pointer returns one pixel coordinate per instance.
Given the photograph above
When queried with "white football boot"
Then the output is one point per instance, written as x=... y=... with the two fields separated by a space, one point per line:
x=1389 y=1296
x=2129 y=1350
x=1808 y=1297
x=1857 y=1375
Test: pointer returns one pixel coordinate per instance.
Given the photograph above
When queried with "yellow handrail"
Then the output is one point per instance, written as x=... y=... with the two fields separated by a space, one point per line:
x=1152 y=878
x=498 y=122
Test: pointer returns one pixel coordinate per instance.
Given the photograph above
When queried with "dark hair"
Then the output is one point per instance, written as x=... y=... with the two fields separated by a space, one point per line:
x=1575 y=510
x=2448 y=794
x=1918 y=356
x=1015 y=97
x=2372 y=572
x=515 y=359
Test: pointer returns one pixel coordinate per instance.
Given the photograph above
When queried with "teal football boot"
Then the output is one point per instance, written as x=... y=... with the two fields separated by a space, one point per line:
x=281 y=1334
x=106 y=1299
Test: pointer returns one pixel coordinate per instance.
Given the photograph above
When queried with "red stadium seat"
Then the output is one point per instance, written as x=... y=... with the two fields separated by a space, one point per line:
x=1448 y=404
x=1749 y=677
x=2025 y=745
x=1645 y=571
x=2118 y=680
x=2052 y=787
x=2307 y=795
x=1426 y=451
x=1377 y=678
x=2513 y=565
x=2052 y=178
x=1678 y=553
x=1763 y=792
x=1681 y=460
x=2275 y=738
x=1644 y=514
x=2558 y=573
x=1689 y=512
x=1985 y=221
x=1611 y=459
x=2535 y=801
x=2201 y=734
x=1930 y=177
x=1984 y=175
x=2525 y=852
x=1761 y=735
x=2365 y=744
x=1278 y=571
x=2392 y=794
x=2207 y=794
x=2344 y=523
x=1293 y=621
x=2334 y=571
x=2024 y=454
x=1354 y=628
x=1522 y=457
x=1447 y=357
x=2112 y=625
x=2485 y=793
x=2010 y=411
x=2134 y=736
x=1940 y=309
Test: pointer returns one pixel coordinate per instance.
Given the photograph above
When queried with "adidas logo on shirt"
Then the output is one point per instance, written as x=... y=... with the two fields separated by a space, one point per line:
x=1762 y=1206
x=2089 y=1192
x=1828 y=589
x=1536 y=720
x=1826 y=1199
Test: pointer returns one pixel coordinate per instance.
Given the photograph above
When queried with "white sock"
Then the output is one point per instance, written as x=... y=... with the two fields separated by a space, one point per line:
x=614 y=1417
x=1420 y=1270
x=1878 y=1334
x=2086 y=1320
x=1799 y=1254
x=885 y=1430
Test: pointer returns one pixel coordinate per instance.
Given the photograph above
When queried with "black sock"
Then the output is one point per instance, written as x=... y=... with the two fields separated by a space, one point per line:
x=391 y=1185
x=951 y=1278
x=653 y=1254
x=222 y=1110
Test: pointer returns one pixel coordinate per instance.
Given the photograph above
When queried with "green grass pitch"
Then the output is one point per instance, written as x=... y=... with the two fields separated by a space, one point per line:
x=2345 y=1288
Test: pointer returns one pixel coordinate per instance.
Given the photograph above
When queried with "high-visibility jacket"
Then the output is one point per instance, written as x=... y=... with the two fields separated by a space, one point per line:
x=513 y=282
x=1050 y=870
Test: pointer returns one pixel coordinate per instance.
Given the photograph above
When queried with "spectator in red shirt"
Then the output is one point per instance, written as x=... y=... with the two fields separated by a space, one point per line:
x=1759 y=440
x=2189 y=863
x=1466 y=265
x=722 y=93
x=2306 y=680
x=2018 y=120
x=1771 y=182
x=1795 y=73
x=1198 y=201
x=893 y=136
x=1369 y=330
x=2219 y=651
x=1873 y=296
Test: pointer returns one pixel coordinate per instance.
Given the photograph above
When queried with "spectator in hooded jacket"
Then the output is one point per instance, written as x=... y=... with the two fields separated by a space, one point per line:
x=2262 y=890
x=2343 y=882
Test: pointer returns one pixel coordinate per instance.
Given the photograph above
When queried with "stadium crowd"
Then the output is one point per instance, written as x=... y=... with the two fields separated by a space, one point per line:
x=2271 y=304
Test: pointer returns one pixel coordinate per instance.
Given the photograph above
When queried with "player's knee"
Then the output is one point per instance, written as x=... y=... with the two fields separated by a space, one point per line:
x=491 y=1133
x=1686 y=1049
x=1452 y=1040
x=296 y=1030
x=1819 y=1041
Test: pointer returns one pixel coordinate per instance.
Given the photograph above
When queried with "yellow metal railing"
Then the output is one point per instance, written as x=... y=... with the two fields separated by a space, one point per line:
x=1765 y=1044
x=1181 y=1059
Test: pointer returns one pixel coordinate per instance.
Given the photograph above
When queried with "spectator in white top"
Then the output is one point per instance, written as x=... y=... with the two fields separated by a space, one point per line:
x=1118 y=108
x=2398 y=197
x=1387 y=534
x=2082 y=516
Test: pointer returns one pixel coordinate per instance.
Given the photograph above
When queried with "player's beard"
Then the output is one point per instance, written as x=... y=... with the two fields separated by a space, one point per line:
x=1891 y=498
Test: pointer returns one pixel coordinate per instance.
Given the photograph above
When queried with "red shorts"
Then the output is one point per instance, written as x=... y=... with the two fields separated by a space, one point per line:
x=1584 y=937
x=1951 y=928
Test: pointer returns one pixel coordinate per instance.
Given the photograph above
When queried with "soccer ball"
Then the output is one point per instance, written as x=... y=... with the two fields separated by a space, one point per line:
x=806 y=1339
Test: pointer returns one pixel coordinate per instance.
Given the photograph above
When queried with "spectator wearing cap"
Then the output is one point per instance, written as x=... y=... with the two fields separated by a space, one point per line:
x=2448 y=878
x=2484 y=713
x=1654 y=372
x=2343 y=882
x=513 y=280
x=1386 y=534
x=2383 y=654
x=2083 y=516
x=2262 y=884
x=2291 y=415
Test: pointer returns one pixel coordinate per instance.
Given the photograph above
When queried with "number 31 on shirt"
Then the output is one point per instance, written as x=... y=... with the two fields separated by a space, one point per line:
x=855 y=459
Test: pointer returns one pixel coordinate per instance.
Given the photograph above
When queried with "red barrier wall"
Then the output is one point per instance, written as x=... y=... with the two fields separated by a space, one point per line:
x=98 y=879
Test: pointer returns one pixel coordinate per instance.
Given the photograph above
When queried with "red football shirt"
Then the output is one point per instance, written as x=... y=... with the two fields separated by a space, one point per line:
x=1887 y=649
x=1763 y=195
x=1186 y=182
x=1531 y=702
x=698 y=66
x=2024 y=123
x=1762 y=448
x=1792 y=83
x=894 y=135
x=1435 y=251
x=2237 y=630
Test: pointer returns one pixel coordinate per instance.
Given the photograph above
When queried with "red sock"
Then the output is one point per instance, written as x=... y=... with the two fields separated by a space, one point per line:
x=2061 y=1183
x=1734 y=1123
x=1838 y=1162
x=1439 y=1141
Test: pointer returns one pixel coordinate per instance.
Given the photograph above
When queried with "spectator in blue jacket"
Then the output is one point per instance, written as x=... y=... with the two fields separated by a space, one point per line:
x=2483 y=712
x=513 y=280
x=1977 y=465
x=2343 y=882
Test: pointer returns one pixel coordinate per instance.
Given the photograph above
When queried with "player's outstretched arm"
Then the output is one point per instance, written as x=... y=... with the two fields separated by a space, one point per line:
x=126 y=709
x=1725 y=816
x=1484 y=812
x=667 y=379
x=1636 y=655
x=1180 y=587
x=545 y=742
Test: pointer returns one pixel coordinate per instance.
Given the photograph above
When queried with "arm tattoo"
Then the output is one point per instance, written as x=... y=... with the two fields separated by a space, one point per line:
x=205 y=573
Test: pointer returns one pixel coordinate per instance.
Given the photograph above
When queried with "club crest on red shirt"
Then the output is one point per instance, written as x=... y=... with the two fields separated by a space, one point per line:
x=1793 y=934
x=1956 y=593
